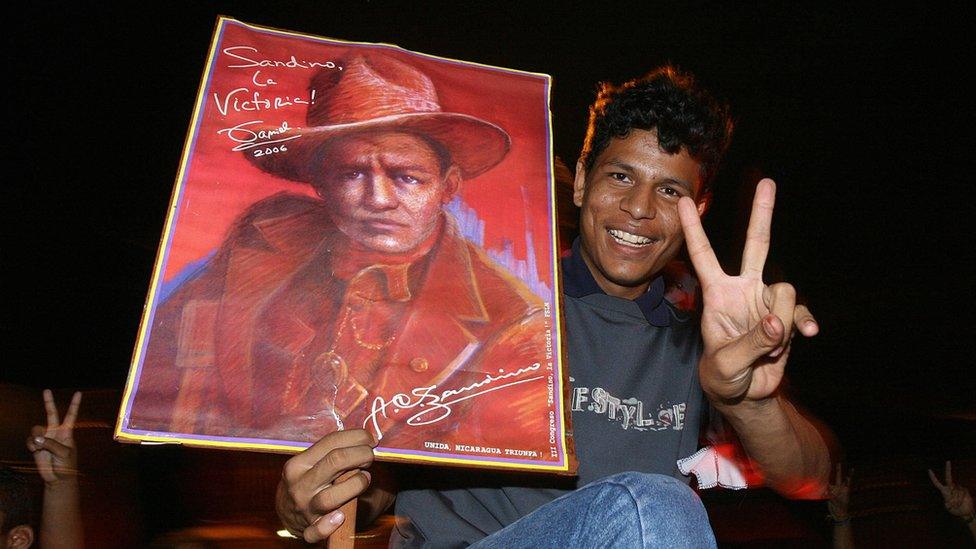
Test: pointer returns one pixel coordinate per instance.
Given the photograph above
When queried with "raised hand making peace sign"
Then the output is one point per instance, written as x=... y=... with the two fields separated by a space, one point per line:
x=54 y=446
x=958 y=501
x=746 y=325
x=56 y=457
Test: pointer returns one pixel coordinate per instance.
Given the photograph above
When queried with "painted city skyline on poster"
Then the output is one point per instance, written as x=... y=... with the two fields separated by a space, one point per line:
x=359 y=236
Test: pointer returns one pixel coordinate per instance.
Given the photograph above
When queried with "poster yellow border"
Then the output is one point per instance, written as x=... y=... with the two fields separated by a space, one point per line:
x=555 y=317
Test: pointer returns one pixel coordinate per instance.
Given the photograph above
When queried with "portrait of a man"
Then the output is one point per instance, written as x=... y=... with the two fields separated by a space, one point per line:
x=362 y=305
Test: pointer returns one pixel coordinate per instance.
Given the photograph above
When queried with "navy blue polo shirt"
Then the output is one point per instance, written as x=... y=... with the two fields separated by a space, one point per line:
x=636 y=399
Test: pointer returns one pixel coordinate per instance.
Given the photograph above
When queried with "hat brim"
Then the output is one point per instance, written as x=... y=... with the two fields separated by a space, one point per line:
x=475 y=145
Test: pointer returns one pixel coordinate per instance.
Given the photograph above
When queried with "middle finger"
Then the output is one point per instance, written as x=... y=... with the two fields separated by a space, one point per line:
x=346 y=488
x=333 y=464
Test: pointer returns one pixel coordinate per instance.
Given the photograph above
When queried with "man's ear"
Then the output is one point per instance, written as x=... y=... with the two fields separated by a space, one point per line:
x=452 y=183
x=704 y=202
x=579 y=184
x=20 y=537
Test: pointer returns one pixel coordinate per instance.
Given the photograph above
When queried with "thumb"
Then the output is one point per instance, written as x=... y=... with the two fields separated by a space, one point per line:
x=36 y=439
x=59 y=450
x=763 y=338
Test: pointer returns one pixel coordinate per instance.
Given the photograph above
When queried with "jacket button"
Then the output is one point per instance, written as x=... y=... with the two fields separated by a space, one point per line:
x=419 y=364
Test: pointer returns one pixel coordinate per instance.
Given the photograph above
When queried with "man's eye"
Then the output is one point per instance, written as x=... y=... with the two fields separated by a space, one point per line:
x=407 y=179
x=671 y=191
x=350 y=175
x=622 y=177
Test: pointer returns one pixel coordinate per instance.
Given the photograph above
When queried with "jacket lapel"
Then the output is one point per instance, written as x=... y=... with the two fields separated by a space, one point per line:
x=264 y=257
x=441 y=330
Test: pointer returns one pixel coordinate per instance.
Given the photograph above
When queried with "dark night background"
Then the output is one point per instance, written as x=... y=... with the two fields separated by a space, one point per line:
x=863 y=116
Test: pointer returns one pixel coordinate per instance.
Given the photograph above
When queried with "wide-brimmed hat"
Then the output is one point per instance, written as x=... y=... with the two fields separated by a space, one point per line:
x=378 y=92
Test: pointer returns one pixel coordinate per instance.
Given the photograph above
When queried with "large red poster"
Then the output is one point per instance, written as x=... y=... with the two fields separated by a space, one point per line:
x=359 y=236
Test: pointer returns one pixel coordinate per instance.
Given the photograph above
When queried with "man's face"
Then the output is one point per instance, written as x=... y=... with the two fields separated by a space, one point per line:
x=629 y=224
x=385 y=190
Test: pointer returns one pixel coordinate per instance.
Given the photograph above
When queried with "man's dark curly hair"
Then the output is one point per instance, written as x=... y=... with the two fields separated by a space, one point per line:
x=669 y=101
x=14 y=499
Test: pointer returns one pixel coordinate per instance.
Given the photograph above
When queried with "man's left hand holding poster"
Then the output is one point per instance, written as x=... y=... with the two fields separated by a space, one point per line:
x=360 y=237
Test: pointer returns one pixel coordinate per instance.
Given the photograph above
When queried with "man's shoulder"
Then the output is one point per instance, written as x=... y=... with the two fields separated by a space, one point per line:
x=281 y=222
x=283 y=207
x=496 y=283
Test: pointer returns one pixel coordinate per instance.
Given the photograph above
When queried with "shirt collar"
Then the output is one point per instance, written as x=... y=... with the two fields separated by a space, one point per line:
x=579 y=282
x=400 y=271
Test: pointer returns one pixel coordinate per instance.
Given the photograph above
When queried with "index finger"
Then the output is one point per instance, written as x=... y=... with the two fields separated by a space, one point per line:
x=699 y=249
x=760 y=224
x=72 y=413
x=938 y=485
x=52 y=410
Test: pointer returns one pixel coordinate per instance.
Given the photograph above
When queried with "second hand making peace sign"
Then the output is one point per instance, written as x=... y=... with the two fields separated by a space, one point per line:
x=54 y=446
x=746 y=325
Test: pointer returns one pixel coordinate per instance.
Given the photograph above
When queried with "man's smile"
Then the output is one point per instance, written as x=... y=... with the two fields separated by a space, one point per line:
x=630 y=239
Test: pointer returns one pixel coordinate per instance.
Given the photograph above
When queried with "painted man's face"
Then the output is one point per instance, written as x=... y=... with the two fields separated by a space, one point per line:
x=629 y=226
x=385 y=190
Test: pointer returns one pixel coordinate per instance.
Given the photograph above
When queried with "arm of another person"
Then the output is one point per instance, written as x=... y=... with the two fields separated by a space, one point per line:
x=958 y=501
x=747 y=328
x=838 y=507
x=56 y=459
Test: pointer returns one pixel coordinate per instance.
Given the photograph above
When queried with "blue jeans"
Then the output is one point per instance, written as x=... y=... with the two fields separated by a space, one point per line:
x=623 y=510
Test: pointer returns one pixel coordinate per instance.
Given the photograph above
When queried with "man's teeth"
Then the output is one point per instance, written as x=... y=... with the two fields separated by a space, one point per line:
x=628 y=238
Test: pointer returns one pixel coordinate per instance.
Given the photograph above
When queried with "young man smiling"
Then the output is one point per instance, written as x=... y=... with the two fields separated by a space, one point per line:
x=629 y=222
x=652 y=148
x=643 y=374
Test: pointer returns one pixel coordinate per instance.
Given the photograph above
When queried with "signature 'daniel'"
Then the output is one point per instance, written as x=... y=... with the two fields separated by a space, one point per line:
x=247 y=138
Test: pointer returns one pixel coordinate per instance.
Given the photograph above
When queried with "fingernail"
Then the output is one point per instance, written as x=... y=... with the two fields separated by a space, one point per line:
x=768 y=327
x=776 y=352
x=336 y=517
x=369 y=477
x=39 y=441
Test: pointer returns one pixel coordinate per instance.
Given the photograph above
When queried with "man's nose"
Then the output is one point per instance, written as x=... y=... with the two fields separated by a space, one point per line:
x=640 y=202
x=381 y=193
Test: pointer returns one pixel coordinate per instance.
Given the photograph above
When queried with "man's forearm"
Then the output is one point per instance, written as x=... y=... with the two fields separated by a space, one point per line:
x=61 y=524
x=789 y=450
x=843 y=535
